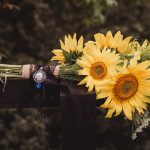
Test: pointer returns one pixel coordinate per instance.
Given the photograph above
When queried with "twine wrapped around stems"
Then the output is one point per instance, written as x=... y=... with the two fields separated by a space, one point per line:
x=27 y=70
x=23 y=71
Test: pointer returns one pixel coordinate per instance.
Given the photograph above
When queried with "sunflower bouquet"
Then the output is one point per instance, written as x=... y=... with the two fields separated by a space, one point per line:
x=117 y=69
x=114 y=67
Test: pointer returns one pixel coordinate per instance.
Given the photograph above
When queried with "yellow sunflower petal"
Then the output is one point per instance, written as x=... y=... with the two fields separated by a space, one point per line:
x=100 y=40
x=127 y=40
x=75 y=39
x=71 y=44
x=118 y=107
x=134 y=104
x=83 y=63
x=57 y=52
x=91 y=86
x=67 y=45
x=134 y=60
x=89 y=58
x=106 y=103
x=83 y=81
x=143 y=65
x=89 y=82
x=109 y=35
x=80 y=43
x=117 y=39
x=83 y=72
x=140 y=103
x=62 y=45
x=143 y=98
x=110 y=112
x=102 y=95
x=144 y=74
x=145 y=43
x=127 y=109
x=144 y=90
x=109 y=39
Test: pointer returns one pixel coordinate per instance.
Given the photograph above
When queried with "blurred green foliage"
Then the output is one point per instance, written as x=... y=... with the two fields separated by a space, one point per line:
x=28 y=34
x=95 y=11
x=35 y=29
x=20 y=131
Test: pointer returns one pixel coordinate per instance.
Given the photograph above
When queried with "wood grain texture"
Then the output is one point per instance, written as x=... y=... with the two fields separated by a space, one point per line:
x=19 y=94
x=77 y=107
x=78 y=115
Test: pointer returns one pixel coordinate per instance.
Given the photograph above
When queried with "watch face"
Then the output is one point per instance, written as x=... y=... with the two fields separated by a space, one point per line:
x=39 y=76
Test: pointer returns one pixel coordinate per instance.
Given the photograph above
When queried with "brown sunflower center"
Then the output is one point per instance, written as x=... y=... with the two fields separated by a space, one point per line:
x=125 y=87
x=98 y=70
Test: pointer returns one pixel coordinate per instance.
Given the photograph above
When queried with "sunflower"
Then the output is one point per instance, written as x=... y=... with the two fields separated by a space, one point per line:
x=96 y=65
x=128 y=90
x=145 y=44
x=71 y=49
x=117 y=42
x=140 y=47
x=144 y=50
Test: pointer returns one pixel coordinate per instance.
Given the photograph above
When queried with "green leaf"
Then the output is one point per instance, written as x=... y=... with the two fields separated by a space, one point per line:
x=72 y=56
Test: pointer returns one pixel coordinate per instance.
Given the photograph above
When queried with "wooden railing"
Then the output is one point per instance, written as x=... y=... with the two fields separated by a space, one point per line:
x=78 y=109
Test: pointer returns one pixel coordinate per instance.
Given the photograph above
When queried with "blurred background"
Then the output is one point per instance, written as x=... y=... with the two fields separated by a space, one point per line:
x=30 y=29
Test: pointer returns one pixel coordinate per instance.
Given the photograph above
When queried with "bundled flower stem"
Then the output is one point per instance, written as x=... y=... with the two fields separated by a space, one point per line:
x=69 y=72
x=11 y=71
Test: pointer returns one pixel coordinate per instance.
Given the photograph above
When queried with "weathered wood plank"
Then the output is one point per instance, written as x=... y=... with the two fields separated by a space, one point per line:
x=18 y=93
x=77 y=107
x=78 y=116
